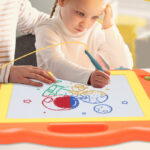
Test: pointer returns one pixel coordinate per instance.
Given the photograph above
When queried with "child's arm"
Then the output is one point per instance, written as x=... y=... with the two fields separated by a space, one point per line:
x=4 y=73
x=29 y=17
x=24 y=74
x=112 y=47
x=116 y=53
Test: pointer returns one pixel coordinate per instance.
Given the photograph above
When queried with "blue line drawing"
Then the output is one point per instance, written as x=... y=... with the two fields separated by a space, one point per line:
x=103 y=109
x=124 y=102
x=74 y=102
x=93 y=99
x=83 y=113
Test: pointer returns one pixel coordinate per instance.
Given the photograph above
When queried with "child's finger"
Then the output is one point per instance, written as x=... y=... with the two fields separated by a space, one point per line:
x=39 y=78
x=45 y=74
x=51 y=76
x=30 y=82
x=101 y=81
x=108 y=10
x=102 y=74
x=96 y=85
x=108 y=72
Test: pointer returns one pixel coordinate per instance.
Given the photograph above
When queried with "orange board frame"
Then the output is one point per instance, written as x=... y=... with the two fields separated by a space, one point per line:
x=85 y=134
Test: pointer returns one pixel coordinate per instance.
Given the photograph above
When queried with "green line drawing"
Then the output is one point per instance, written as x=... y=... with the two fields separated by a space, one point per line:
x=59 y=81
x=55 y=89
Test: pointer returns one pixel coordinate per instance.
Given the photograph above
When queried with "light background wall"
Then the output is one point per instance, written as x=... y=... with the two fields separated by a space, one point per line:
x=43 y=5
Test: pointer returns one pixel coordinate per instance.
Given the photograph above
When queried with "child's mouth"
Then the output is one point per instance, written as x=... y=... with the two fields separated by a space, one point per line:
x=79 y=30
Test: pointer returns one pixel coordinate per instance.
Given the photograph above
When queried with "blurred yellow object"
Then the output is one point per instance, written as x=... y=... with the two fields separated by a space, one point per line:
x=50 y=73
x=127 y=26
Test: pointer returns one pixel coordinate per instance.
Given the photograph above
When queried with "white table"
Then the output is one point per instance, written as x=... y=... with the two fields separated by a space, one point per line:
x=137 y=145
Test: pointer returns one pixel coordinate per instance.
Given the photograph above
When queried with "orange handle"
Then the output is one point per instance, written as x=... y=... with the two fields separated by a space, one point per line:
x=75 y=134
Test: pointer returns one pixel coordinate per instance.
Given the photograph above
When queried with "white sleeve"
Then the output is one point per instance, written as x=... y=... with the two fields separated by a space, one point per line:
x=4 y=73
x=114 y=50
x=29 y=17
x=54 y=60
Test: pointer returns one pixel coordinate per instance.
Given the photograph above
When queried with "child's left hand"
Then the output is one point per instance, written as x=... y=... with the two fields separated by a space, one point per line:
x=108 y=18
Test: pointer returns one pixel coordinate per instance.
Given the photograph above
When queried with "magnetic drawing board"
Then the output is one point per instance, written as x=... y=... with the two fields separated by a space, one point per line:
x=123 y=99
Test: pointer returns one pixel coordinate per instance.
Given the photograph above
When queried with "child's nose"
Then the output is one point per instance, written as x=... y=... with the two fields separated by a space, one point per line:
x=85 y=24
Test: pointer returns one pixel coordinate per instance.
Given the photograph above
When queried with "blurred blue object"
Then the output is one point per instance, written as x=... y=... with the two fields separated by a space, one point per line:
x=122 y=68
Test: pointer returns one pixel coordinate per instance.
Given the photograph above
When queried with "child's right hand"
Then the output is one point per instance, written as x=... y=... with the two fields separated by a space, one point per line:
x=24 y=74
x=108 y=18
x=99 y=79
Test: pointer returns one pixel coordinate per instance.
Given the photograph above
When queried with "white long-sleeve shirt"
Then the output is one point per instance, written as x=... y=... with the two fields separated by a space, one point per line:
x=15 y=13
x=68 y=61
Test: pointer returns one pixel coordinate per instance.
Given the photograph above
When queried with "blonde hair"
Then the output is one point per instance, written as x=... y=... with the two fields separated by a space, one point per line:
x=54 y=8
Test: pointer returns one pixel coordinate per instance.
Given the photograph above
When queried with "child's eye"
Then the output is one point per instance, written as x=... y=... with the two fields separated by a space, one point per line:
x=80 y=13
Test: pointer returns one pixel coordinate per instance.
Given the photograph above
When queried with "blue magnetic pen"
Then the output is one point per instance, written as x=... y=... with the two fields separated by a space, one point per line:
x=94 y=62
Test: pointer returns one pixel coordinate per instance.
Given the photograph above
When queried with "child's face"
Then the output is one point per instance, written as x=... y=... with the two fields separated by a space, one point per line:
x=80 y=15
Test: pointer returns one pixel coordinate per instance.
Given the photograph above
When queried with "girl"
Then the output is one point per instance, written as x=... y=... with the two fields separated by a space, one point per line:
x=19 y=13
x=77 y=21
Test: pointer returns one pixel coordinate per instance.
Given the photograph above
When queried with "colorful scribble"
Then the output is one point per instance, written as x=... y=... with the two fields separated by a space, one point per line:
x=28 y=101
x=57 y=103
x=124 y=102
x=59 y=81
x=93 y=97
x=55 y=89
x=83 y=113
x=103 y=109
x=77 y=89
x=60 y=98
x=107 y=89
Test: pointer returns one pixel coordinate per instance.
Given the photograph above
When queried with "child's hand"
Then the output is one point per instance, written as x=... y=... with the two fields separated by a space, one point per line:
x=23 y=74
x=108 y=18
x=99 y=79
